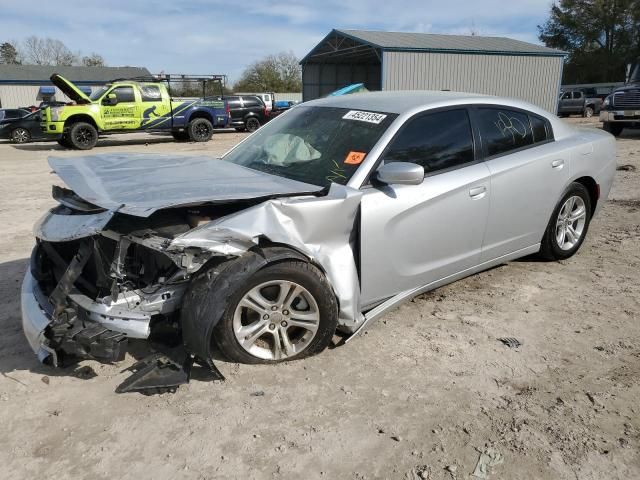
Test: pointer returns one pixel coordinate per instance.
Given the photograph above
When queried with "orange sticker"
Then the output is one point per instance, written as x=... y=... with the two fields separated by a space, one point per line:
x=354 y=158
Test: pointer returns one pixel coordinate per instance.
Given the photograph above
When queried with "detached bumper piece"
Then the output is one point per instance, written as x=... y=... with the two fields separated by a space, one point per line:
x=158 y=373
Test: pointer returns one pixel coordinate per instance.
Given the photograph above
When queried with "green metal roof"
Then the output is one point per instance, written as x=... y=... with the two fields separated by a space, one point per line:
x=430 y=42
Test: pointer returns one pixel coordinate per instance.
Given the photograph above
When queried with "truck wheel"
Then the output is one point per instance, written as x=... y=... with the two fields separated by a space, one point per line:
x=252 y=124
x=200 y=130
x=83 y=136
x=588 y=112
x=20 y=135
x=614 y=129
x=180 y=136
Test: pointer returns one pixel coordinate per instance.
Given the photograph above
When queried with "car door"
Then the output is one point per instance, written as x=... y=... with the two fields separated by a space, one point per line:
x=527 y=176
x=413 y=235
x=125 y=114
x=156 y=111
x=564 y=104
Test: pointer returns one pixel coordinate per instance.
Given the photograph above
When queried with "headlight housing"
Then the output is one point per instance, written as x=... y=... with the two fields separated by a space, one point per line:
x=54 y=112
x=607 y=101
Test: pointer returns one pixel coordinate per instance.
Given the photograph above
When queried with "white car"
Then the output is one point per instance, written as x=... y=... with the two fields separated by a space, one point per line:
x=324 y=219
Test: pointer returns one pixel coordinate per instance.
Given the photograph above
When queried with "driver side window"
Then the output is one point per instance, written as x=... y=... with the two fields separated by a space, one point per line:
x=124 y=94
x=437 y=141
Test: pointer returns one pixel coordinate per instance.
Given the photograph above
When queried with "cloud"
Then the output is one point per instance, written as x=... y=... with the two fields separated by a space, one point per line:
x=213 y=36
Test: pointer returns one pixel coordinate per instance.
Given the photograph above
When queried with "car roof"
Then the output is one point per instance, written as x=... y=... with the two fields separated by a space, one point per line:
x=406 y=101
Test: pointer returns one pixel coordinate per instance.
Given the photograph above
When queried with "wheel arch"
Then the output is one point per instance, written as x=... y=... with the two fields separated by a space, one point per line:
x=81 y=117
x=200 y=114
x=594 y=190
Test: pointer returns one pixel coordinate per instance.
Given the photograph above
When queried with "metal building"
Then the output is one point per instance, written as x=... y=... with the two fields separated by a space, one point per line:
x=26 y=85
x=420 y=61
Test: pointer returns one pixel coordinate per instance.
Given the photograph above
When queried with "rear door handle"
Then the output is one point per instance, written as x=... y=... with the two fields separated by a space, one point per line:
x=557 y=164
x=478 y=192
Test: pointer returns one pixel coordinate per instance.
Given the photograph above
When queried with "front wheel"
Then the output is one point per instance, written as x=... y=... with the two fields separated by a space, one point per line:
x=83 y=136
x=588 y=112
x=285 y=311
x=200 y=130
x=20 y=135
x=568 y=225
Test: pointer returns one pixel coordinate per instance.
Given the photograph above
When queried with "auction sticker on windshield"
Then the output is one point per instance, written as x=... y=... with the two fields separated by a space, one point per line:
x=369 y=117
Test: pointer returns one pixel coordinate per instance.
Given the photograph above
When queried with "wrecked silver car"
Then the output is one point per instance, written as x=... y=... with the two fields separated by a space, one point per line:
x=323 y=219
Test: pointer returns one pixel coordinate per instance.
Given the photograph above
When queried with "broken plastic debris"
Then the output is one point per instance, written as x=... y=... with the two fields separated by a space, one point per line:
x=511 y=342
x=488 y=458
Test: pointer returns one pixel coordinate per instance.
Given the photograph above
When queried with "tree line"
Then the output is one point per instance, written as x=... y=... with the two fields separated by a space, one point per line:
x=600 y=37
x=35 y=50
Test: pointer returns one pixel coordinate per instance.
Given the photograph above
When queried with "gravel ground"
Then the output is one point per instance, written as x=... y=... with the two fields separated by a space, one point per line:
x=420 y=396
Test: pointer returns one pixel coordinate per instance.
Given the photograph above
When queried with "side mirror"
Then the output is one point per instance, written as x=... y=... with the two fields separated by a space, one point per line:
x=110 y=99
x=400 y=173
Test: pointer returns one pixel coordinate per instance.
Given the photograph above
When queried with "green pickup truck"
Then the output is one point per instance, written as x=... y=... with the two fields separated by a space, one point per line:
x=129 y=106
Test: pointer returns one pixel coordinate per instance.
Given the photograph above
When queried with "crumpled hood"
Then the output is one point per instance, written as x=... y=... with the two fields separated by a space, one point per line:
x=140 y=184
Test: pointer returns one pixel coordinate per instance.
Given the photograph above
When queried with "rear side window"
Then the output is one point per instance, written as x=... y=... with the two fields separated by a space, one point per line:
x=124 y=94
x=12 y=114
x=251 y=102
x=437 y=141
x=503 y=130
x=539 y=129
x=150 y=93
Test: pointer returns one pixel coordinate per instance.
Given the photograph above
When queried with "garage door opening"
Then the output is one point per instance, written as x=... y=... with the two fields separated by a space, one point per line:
x=340 y=60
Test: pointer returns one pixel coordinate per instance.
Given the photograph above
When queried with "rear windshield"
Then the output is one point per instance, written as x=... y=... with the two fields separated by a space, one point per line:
x=316 y=145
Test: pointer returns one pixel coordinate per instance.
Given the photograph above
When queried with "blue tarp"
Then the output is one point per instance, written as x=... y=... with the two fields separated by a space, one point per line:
x=47 y=91
x=353 y=88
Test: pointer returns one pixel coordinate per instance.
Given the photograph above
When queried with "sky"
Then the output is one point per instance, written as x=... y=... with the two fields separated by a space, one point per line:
x=221 y=37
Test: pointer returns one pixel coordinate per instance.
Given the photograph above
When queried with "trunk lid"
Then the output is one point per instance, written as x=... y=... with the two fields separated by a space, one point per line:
x=140 y=184
x=69 y=89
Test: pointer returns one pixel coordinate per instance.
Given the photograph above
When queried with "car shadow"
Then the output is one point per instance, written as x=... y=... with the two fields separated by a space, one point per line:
x=16 y=353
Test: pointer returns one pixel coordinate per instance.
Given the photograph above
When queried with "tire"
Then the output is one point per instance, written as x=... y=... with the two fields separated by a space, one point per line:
x=82 y=136
x=614 y=129
x=588 y=112
x=567 y=228
x=312 y=296
x=180 y=136
x=20 y=135
x=63 y=141
x=200 y=130
x=252 y=124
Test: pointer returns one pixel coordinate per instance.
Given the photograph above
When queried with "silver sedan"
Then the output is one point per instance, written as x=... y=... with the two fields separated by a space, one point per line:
x=324 y=219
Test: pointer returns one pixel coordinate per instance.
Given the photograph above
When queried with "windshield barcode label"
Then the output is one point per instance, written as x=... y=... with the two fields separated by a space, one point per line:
x=369 y=117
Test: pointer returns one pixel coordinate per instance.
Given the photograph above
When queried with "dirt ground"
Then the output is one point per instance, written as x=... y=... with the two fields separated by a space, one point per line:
x=420 y=396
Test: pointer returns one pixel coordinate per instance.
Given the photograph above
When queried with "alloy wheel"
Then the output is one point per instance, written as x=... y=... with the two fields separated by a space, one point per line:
x=20 y=135
x=570 y=223
x=84 y=136
x=276 y=320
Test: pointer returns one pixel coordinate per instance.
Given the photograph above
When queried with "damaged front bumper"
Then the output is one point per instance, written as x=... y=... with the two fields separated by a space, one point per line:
x=86 y=327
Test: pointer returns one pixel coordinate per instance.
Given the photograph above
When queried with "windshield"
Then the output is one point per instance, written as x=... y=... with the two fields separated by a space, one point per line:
x=98 y=93
x=316 y=145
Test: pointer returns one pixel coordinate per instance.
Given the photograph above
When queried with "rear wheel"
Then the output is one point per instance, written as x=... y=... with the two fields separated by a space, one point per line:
x=588 y=112
x=252 y=124
x=200 y=130
x=285 y=311
x=83 y=136
x=20 y=135
x=568 y=225
x=614 y=129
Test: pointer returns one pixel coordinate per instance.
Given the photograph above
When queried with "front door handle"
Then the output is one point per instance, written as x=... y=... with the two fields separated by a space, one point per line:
x=557 y=164
x=478 y=192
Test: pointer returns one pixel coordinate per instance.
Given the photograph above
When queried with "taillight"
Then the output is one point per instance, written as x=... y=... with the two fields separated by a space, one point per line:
x=266 y=112
x=227 y=108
